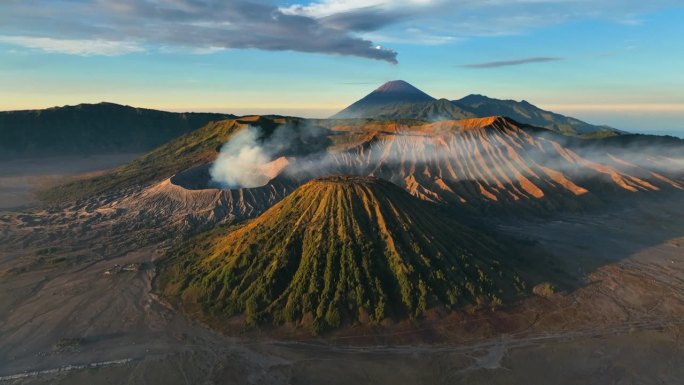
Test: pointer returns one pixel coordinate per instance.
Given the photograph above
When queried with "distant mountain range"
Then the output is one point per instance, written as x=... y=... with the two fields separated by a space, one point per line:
x=400 y=100
x=112 y=128
x=527 y=113
x=93 y=128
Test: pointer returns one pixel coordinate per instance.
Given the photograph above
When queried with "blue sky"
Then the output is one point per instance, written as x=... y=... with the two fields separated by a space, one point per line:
x=616 y=62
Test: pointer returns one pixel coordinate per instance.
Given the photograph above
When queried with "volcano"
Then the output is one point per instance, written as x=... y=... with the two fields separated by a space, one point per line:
x=492 y=166
x=389 y=95
x=341 y=249
x=397 y=100
x=396 y=91
x=496 y=162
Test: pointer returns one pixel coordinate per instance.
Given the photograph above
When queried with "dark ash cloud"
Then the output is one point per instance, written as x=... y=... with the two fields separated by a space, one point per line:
x=517 y=62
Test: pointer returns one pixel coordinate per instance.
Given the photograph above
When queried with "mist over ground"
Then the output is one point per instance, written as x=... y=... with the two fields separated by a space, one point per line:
x=252 y=157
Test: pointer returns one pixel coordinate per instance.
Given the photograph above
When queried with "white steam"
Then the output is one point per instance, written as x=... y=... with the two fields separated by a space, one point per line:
x=251 y=159
x=241 y=161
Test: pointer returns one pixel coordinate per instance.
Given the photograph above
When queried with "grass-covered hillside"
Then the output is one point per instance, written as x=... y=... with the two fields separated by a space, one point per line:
x=93 y=129
x=336 y=251
x=195 y=148
x=189 y=150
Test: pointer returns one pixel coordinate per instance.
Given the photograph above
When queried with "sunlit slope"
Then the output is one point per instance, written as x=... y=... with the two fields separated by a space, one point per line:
x=341 y=249
x=495 y=161
x=477 y=163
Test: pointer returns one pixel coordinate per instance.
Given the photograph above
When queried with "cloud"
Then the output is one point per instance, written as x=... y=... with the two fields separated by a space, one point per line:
x=415 y=36
x=198 y=25
x=453 y=20
x=364 y=15
x=327 y=8
x=516 y=62
x=241 y=160
x=334 y=27
x=74 y=47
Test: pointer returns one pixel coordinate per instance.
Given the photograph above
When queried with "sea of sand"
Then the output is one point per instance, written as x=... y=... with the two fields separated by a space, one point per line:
x=21 y=178
x=81 y=310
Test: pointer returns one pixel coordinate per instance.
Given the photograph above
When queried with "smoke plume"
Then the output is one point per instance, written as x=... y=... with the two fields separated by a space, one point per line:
x=252 y=158
x=241 y=161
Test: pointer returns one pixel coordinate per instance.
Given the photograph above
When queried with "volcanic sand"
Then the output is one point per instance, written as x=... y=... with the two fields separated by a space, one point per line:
x=20 y=178
x=620 y=323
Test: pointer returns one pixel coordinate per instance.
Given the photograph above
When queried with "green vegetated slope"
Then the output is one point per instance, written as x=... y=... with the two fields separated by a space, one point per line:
x=198 y=147
x=92 y=129
x=189 y=150
x=337 y=250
